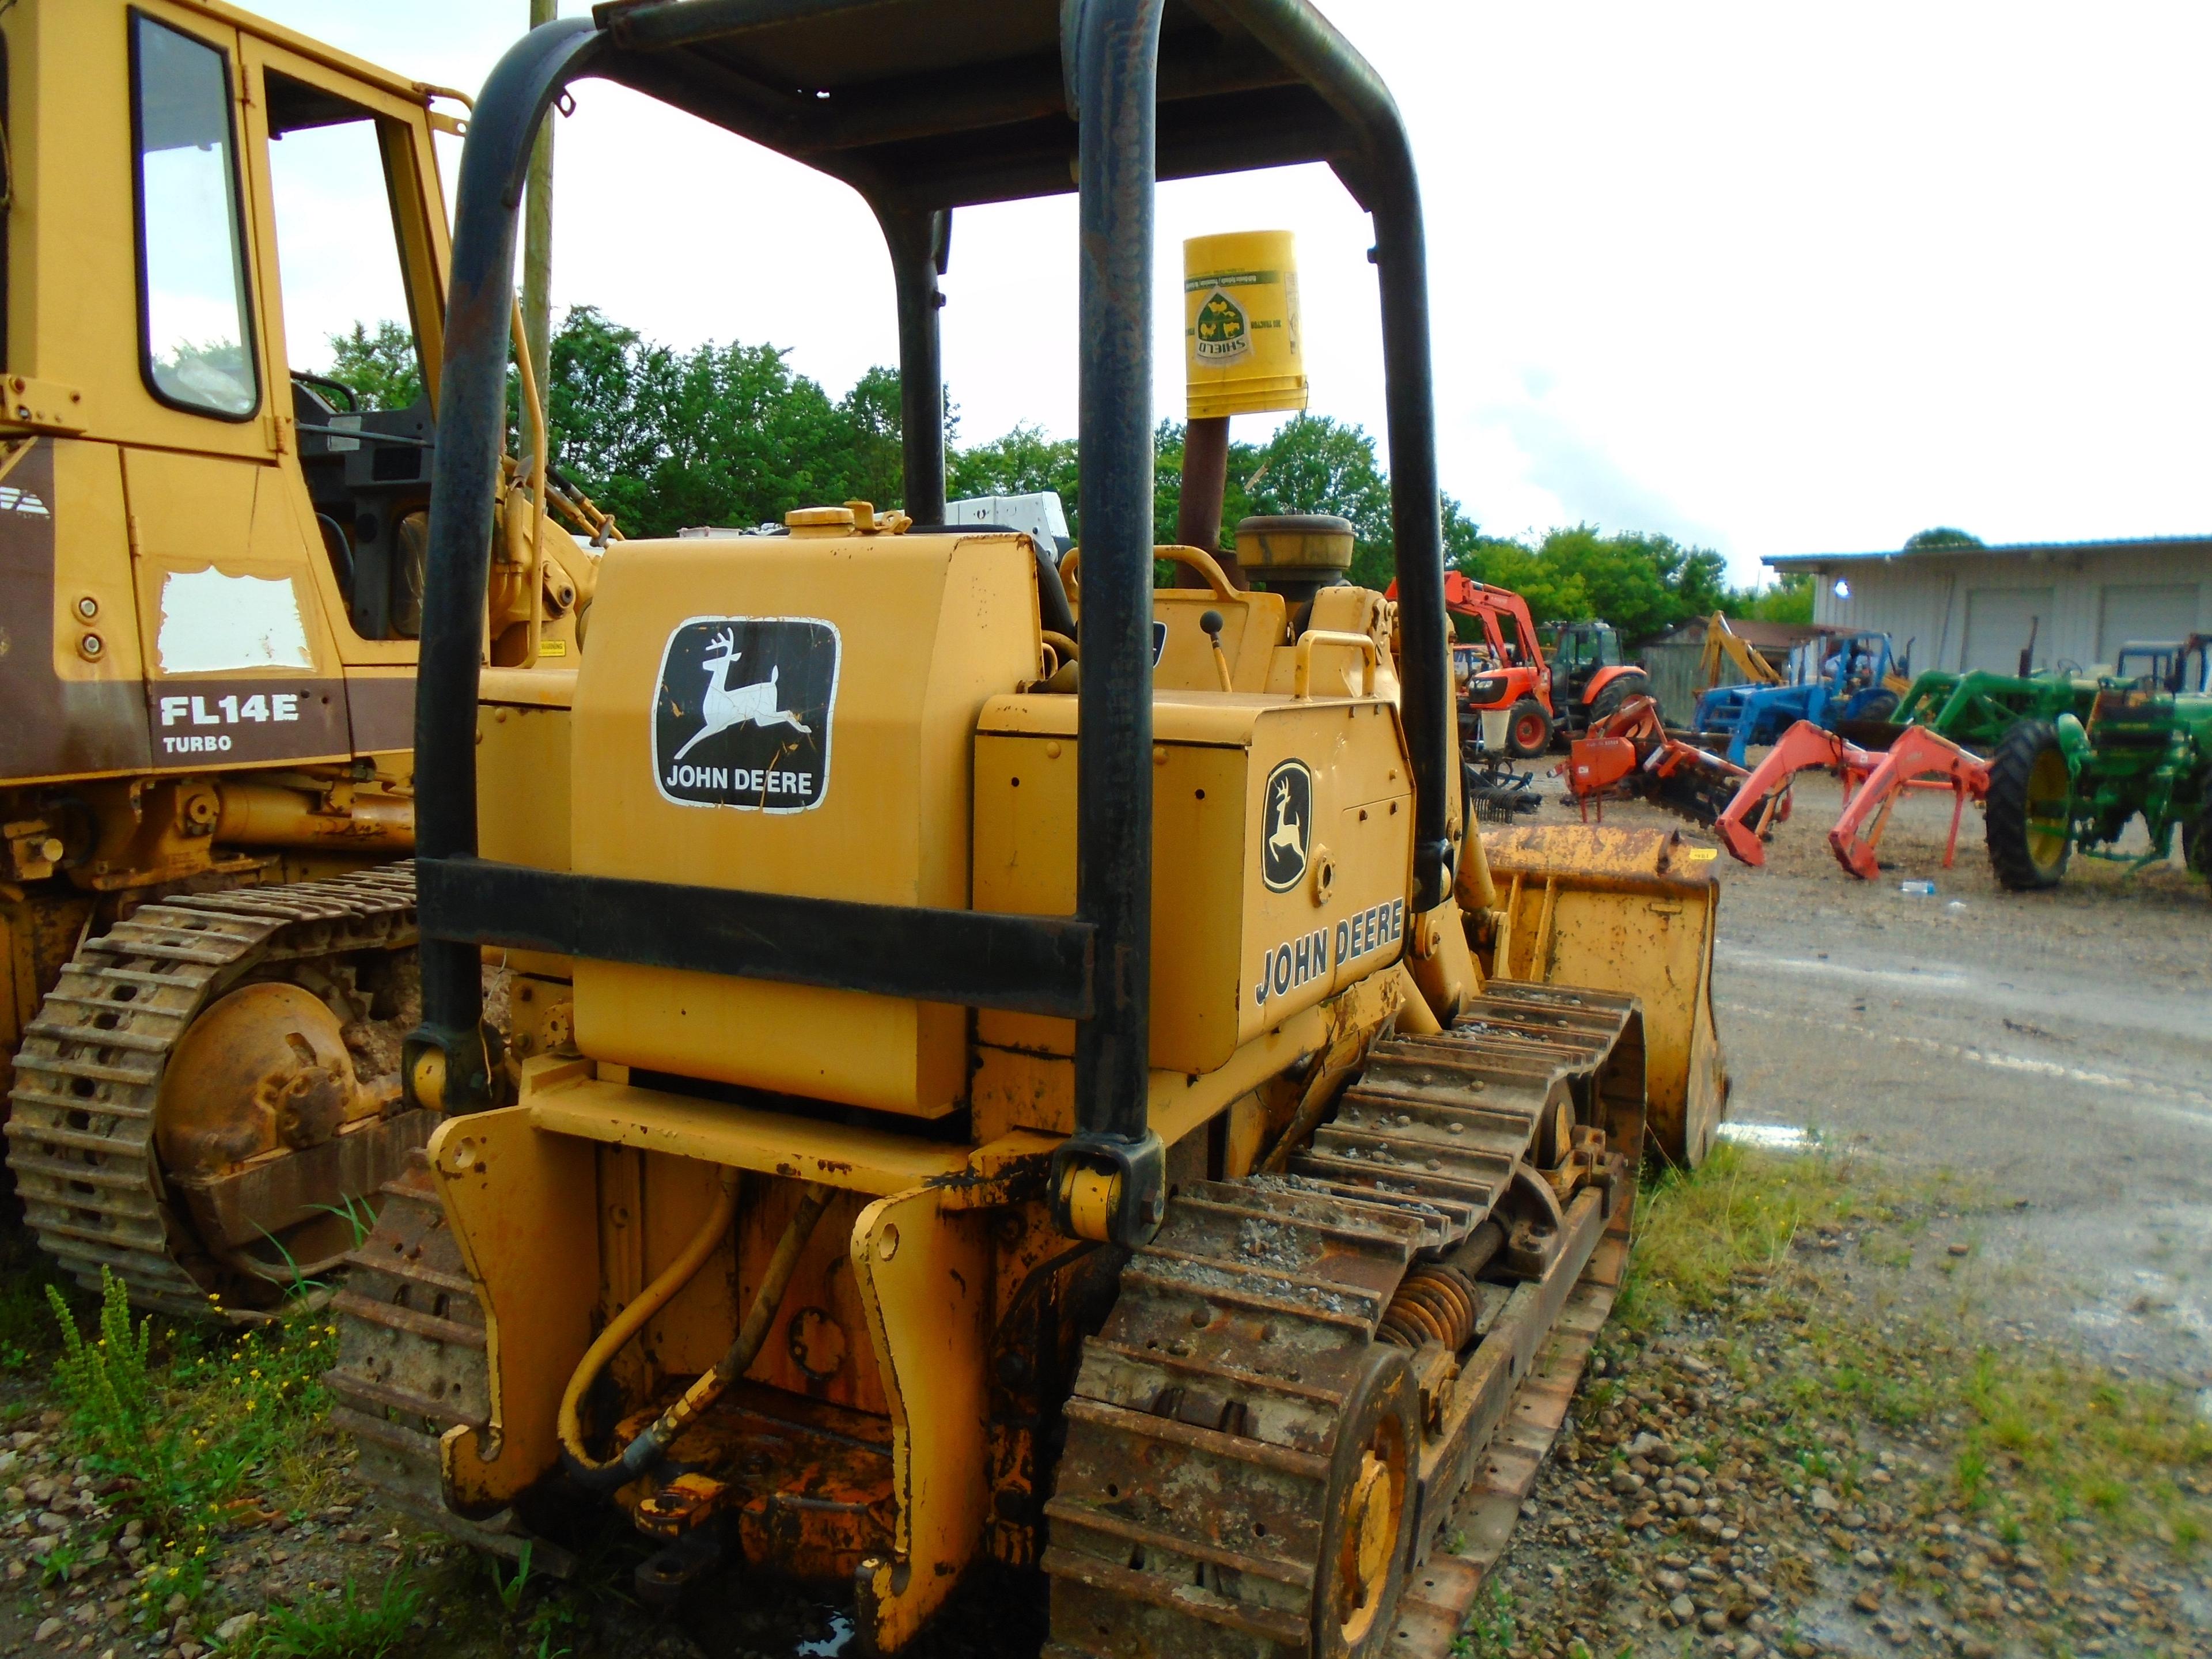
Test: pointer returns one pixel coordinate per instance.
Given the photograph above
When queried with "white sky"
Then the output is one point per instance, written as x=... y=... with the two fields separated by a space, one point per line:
x=1770 y=278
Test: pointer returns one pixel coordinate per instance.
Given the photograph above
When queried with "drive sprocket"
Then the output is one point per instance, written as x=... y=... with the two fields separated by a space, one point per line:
x=88 y=1078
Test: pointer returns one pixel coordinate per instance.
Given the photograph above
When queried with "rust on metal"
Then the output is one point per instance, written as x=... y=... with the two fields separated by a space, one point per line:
x=89 y=1084
x=1303 y=1373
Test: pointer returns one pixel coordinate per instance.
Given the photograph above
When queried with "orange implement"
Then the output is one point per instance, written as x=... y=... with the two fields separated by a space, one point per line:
x=1763 y=800
x=1629 y=751
x=1920 y=759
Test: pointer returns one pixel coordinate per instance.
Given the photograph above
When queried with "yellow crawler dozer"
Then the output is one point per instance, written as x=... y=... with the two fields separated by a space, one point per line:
x=210 y=585
x=1046 y=1069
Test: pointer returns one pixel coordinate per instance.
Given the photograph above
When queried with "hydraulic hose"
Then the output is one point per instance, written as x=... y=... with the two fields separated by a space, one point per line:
x=632 y=1319
x=645 y=1453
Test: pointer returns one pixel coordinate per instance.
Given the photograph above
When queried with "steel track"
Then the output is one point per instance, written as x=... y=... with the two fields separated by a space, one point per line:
x=88 y=1075
x=412 y=1363
x=1191 y=1515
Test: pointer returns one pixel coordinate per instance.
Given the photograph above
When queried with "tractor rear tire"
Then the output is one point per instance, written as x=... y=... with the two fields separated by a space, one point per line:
x=1527 y=730
x=2197 y=837
x=2029 y=844
x=1882 y=706
x=1616 y=691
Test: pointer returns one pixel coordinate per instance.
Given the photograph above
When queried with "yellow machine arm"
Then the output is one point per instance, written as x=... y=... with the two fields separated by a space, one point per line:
x=1723 y=643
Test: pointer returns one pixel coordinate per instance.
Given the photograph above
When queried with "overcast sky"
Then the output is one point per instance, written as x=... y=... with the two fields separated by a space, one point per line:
x=1773 y=279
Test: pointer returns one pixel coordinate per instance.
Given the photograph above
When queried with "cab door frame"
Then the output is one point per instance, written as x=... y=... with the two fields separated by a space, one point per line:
x=419 y=220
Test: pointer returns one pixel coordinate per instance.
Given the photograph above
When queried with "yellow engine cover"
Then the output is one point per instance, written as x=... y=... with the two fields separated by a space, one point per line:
x=791 y=714
x=1282 y=840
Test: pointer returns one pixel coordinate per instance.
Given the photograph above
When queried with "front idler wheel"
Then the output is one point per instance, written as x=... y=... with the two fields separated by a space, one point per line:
x=1367 y=1537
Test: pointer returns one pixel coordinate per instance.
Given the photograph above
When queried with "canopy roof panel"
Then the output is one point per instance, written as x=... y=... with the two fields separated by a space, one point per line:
x=943 y=103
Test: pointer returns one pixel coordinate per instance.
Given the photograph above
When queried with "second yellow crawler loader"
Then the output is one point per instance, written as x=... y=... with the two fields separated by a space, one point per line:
x=1050 y=1075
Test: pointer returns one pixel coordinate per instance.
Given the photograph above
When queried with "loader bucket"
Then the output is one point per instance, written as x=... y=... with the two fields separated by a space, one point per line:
x=1628 y=910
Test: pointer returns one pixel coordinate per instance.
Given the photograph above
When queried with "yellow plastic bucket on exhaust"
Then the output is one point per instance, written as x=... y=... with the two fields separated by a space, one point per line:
x=1240 y=314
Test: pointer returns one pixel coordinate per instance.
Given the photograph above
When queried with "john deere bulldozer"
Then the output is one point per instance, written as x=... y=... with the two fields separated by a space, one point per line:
x=210 y=580
x=1046 y=1070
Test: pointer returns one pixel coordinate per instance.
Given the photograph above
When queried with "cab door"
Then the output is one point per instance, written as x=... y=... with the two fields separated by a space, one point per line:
x=352 y=258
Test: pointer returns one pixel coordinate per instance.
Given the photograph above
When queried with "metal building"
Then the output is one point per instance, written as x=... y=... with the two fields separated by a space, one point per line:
x=2074 y=603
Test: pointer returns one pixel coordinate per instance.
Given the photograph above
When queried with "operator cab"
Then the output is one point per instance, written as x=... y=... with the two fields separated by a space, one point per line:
x=2153 y=665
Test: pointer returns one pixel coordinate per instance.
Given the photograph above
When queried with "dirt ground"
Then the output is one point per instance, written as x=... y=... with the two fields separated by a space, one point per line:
x=2055 y=1049
x=2033 y=1072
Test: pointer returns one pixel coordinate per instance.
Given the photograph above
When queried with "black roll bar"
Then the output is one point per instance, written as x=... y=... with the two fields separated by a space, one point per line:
x=1116 y=71
x=1100 y=961
x=449 y=1059
x=918 y=240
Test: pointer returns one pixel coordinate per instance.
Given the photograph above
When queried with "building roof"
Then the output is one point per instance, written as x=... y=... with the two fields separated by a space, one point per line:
x=2201 y=545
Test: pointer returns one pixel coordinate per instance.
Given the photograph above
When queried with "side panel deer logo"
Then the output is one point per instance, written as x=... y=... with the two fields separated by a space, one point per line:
x=743 y=711
x=1287 y=826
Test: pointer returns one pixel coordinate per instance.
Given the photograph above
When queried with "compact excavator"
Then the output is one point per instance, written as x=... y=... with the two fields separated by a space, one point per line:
x=210 y=584
x=1034 y=1067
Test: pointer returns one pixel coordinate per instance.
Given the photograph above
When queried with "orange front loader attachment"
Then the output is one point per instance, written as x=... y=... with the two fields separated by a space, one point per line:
x=1629 y=752
x=1919 y=759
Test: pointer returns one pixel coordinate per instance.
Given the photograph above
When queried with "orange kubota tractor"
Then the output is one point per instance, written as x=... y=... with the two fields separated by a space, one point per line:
x=1516 y=694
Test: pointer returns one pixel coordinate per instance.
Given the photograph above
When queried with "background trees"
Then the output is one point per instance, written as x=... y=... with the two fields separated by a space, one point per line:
x=728 y=434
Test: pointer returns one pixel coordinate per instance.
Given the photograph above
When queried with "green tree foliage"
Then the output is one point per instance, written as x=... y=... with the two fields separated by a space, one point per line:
x=729 y=434
x=1789 y=600
x=1642 y=583
x=1942 y=535
x=380 y=364
x=722 y=435
x=1024 y=462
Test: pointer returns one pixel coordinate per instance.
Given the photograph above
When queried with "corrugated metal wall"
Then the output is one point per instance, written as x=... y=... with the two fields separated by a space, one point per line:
x=2077 y=599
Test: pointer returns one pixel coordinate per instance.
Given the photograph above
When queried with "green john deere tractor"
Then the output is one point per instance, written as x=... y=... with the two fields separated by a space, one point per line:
x=2060 y=782
x=1976 y=710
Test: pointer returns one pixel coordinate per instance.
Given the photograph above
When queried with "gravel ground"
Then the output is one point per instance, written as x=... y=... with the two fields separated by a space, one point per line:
x=2044 y=1060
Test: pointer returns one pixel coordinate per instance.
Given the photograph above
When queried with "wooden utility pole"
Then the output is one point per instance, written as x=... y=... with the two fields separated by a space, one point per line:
x=537 y=237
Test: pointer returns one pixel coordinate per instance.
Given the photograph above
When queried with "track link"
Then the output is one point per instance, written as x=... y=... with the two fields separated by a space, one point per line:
x=1198 y=1511
x=88 y=1075
x=413 y=1364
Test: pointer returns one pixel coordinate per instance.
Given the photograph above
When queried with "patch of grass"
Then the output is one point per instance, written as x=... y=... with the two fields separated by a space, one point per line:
x=1490 y=1631
x=350 y=1627
x=2061 y=1440
x=2032 y=1439
x=1701 y=1232
x=196 y=1435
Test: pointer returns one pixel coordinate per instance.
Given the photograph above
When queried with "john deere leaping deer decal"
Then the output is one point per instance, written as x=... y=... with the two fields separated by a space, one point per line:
x=753 y=705
x=1287 y=826
x=761 y=744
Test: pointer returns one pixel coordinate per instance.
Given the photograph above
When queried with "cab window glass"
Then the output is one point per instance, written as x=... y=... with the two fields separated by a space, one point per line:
x=198 y=343
x=347 y=314
x=350 y=338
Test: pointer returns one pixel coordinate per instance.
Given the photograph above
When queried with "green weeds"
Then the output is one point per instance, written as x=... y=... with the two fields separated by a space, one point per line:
x=1701 y=1233
x=1490 y=1631
x=2029 y=1439
x=192 y=1438
x=351 y=1627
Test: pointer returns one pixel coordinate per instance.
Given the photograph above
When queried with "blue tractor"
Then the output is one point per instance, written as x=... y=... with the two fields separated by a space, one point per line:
x=1837 y=677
